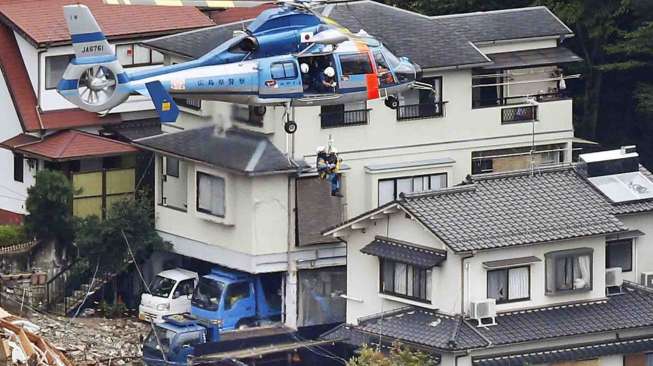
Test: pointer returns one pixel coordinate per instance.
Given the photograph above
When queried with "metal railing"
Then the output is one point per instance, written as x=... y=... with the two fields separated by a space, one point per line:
x=190 y=103
x=519 y=114
x=520 y=99
x=344 y=118
x=419 y=111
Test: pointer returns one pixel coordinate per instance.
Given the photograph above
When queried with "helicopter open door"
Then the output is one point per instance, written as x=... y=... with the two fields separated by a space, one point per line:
x=357 y=74
x=279 y=78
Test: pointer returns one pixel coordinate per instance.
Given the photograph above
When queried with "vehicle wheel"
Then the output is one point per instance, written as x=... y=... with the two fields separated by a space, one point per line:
x=290 y=127
x=392 y=102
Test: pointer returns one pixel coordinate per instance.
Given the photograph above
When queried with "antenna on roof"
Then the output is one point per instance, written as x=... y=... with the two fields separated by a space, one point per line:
x=534 y=103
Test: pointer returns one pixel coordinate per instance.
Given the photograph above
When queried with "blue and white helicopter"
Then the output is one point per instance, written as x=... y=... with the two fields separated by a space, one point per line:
x=289 y=55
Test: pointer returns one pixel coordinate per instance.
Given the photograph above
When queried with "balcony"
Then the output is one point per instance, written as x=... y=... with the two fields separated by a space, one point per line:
x=344 y=118
x=526 y=113
x=420 y=111
x=515 y=100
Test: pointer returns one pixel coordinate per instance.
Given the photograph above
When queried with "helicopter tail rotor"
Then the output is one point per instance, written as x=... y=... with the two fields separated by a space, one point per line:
x=93 y=79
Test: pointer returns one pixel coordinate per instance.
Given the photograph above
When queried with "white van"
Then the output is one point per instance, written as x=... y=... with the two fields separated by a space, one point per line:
x=171 y=292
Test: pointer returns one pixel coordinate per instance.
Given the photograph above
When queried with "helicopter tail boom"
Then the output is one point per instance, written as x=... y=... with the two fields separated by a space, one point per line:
x=94 y=80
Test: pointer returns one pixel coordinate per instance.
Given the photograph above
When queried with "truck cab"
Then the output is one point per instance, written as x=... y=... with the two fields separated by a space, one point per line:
x=237 y=300
x=170 y=293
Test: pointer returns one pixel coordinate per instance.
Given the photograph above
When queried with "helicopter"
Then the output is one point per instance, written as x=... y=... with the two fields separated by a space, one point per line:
x=290 y=55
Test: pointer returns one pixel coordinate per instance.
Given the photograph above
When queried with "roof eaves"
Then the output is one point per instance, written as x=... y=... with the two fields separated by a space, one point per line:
x=560 y=21
x=488 y=12
x=331 y=230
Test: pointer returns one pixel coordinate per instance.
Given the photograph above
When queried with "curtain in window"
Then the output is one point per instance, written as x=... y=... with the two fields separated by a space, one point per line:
x=518 y=283
x=428 y=284
x=211 y=194
x=386 y=191
x=404 y=186
x=388 y=276
x=438 y=181
x=496 y=285
x=564 y=273
x=583 y=275
x=400 y=278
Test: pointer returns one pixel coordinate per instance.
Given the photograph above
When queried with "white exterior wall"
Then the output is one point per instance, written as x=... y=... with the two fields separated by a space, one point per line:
x=255 y=222
x=476 y=274
x=30 y=59
x=51 y=100
x=363 y=292
x=643 y=245
x=12 y=193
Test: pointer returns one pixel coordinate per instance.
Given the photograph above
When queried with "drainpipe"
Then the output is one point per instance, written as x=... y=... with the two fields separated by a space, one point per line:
x=464 y=281
x=38 y=75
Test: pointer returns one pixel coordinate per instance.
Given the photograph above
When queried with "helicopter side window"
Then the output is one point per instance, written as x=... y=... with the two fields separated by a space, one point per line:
x=355 y=64
x=283 y=70
x=383 y=70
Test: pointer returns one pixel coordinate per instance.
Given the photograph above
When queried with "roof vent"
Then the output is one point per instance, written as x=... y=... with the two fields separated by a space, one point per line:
x=610 y=162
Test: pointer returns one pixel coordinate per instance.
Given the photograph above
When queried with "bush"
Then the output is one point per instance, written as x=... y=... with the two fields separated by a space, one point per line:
x=12 y=235
x=49 y=203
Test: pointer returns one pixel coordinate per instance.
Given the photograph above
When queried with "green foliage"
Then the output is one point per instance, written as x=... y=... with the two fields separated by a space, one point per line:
x=112 y=311
x=49 y=203
x=12 y=235
x=101 y=241
x=398 y=356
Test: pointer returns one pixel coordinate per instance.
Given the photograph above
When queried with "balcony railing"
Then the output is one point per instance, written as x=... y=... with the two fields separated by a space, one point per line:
x=344 y=118
x=419 y=111
x=519 y=114
x=520 y=99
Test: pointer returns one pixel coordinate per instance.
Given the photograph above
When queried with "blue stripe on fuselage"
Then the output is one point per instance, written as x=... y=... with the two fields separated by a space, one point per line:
x=65 y=84
x=87 y=37
x=93 y=60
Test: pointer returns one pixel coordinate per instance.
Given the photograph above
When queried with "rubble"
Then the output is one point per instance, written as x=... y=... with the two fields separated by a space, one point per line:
x=95 y=341
x=20 y=344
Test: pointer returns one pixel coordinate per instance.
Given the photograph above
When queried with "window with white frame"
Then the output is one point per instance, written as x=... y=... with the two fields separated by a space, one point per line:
x=210 y=194
x=391 y=189
x=569 y=271
x=135 y=55
x=509 y=284
x=619 y=253
x=405 y=280
x=172 y=166
x=54 y=69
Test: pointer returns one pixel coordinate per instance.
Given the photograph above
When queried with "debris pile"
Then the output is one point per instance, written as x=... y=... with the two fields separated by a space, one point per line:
x=95 y=341
x=20 y=344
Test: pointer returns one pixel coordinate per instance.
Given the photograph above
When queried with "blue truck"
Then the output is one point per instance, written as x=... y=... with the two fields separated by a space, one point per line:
x=236 y=300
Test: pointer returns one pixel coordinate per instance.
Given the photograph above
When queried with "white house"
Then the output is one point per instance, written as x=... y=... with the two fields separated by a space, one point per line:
x=538 y=266
x=233 y=189
x=42 y=129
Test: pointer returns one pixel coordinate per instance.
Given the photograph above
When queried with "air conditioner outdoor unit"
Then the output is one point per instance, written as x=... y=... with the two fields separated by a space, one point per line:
x=613 y=277
x=484 y=312
x=646 y=279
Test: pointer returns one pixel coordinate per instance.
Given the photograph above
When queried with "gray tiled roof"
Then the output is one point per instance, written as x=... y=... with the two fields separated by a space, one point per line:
x=431 y=42
x=514 y=209
x=635 y=207
x=632 y=309
x=574 y=352
x=505 y=24
x=236 y=150
x=397 y=250
x=134 y=130
x=416 y=326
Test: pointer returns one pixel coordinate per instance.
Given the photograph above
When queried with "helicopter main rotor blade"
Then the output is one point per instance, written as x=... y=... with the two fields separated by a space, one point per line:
x=209 y=4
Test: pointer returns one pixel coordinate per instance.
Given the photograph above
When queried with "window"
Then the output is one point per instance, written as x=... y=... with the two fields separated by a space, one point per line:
x=344 y=115
x=509 y=284
x=18 y=167
x=54 y=69
x=405 y=280
x=569 y=271
x=135 y=55
x=391 y=189
x=517 y=158
x=172 y=166
x=416 y=104
x=638 y=359
x=236 y=292
x=210 y=195
x=184 y=288
x=283 y=70
x=355 y=64
x=619 y=253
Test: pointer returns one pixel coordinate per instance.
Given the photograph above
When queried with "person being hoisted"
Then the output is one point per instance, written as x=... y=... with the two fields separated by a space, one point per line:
x=328 y=167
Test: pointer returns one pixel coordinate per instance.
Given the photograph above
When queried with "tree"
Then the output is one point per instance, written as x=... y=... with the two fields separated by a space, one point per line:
x=49 y=203
x=398 y=356
x=102 y=243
